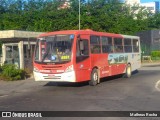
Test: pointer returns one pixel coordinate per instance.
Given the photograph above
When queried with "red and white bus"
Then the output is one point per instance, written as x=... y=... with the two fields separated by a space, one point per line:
x=81 y=55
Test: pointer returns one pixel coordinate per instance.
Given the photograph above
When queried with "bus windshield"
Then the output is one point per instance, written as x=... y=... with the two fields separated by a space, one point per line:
x=55 y=49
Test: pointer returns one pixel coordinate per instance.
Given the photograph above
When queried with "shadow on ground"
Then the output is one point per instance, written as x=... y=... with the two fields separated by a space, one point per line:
x=82 y=84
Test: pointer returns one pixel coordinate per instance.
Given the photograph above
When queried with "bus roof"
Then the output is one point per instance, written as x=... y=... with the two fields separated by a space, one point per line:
x=130 y=36
x=87 y=31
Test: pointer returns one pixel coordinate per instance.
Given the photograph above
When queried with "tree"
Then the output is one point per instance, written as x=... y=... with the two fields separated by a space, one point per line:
x=154 y=21
x=99 y=15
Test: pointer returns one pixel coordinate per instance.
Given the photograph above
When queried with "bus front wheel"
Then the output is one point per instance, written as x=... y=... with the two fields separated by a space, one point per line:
x=94 y=78
x=128 y=71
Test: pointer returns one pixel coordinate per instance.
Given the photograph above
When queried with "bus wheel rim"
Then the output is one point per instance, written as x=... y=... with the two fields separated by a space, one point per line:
x=95 y=76
x=129 y=71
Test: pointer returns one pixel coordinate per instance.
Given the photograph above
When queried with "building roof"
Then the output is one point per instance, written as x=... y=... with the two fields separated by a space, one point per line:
x=18 y=34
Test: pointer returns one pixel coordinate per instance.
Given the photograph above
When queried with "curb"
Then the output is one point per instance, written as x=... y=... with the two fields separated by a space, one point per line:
x=150 y=64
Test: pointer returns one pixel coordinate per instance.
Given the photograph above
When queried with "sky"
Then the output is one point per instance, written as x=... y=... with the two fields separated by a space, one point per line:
x=143 y=1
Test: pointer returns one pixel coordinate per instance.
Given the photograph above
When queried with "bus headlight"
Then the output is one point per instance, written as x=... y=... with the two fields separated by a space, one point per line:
x=35 y=69
x=69 y=68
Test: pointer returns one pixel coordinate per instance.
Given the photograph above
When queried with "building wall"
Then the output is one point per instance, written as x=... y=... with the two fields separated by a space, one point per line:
x=14 y=48
x=132 y=2
x=145 y=38
x=150 y=40
x=152 y=6
x=155 y=39
x=157 y=6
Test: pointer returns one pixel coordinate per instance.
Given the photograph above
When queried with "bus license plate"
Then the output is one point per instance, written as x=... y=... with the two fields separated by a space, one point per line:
x=51 y=76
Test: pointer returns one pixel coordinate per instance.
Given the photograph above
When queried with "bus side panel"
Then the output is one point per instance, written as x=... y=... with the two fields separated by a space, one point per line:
x=135 y=60
x=105 y=71
x=101 y=62
x=82 y=75
x=117 y=63
x=121 y=68
x=114 y=70
x=104 y=66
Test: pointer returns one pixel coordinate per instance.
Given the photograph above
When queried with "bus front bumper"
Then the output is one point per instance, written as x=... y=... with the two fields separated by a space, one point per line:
x=63 y=77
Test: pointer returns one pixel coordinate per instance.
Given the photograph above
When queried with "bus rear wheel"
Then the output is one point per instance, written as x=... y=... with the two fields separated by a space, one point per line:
x=94 y=78
x=128 y=71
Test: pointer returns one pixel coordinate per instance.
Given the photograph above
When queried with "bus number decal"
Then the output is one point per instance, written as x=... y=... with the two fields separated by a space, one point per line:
x=65 y=57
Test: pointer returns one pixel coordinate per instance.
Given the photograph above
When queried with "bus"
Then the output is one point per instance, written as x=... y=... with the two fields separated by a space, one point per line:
x=85 y=55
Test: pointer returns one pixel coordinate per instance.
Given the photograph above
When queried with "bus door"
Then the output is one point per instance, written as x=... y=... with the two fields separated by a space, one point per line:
x=82 y=58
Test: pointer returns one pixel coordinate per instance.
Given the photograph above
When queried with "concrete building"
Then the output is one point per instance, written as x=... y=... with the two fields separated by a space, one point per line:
x=65 y=4
x=150 y=41
x=132 y=2
x=152 y=6
x=18 y=47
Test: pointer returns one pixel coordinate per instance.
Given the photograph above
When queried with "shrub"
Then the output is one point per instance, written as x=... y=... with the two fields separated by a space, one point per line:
x=155 y=54
x=28 y=72
x=11 y=72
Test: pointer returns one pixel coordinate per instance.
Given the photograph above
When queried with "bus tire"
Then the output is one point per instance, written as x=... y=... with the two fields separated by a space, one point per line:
x=94 y=77
x=128 y=71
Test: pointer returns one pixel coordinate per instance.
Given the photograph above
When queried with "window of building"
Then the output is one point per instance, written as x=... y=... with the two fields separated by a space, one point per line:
x=156 y=40
x=95 y=44
x=107 y=46
x=12 y=54
x=150 y=8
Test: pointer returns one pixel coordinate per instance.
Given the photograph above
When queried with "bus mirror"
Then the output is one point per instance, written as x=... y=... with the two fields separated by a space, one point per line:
x=137 y=44
x=79 y=38
x=42 y=38
x=81 y=45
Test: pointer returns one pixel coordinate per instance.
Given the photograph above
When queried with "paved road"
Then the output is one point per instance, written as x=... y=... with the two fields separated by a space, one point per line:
x=138 y=93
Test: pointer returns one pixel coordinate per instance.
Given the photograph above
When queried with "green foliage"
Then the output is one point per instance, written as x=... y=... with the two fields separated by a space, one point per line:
x=155 y=55
x=99 y=15
x=154 y=21
x=11 y=72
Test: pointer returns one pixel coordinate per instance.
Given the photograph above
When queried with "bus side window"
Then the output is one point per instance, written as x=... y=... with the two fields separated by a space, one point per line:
x=77 y=49
x=118 y=47
x=84 y=52
x=135 y=45
x=107 y=46
x=86 y=48
x=95 y=44
x=127 y=45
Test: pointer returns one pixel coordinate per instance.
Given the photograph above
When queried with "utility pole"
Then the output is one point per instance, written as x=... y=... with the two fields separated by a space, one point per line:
x=79 y=14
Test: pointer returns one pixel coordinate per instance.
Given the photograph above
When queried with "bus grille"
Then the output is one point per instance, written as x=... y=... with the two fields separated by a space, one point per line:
x=51 y=67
